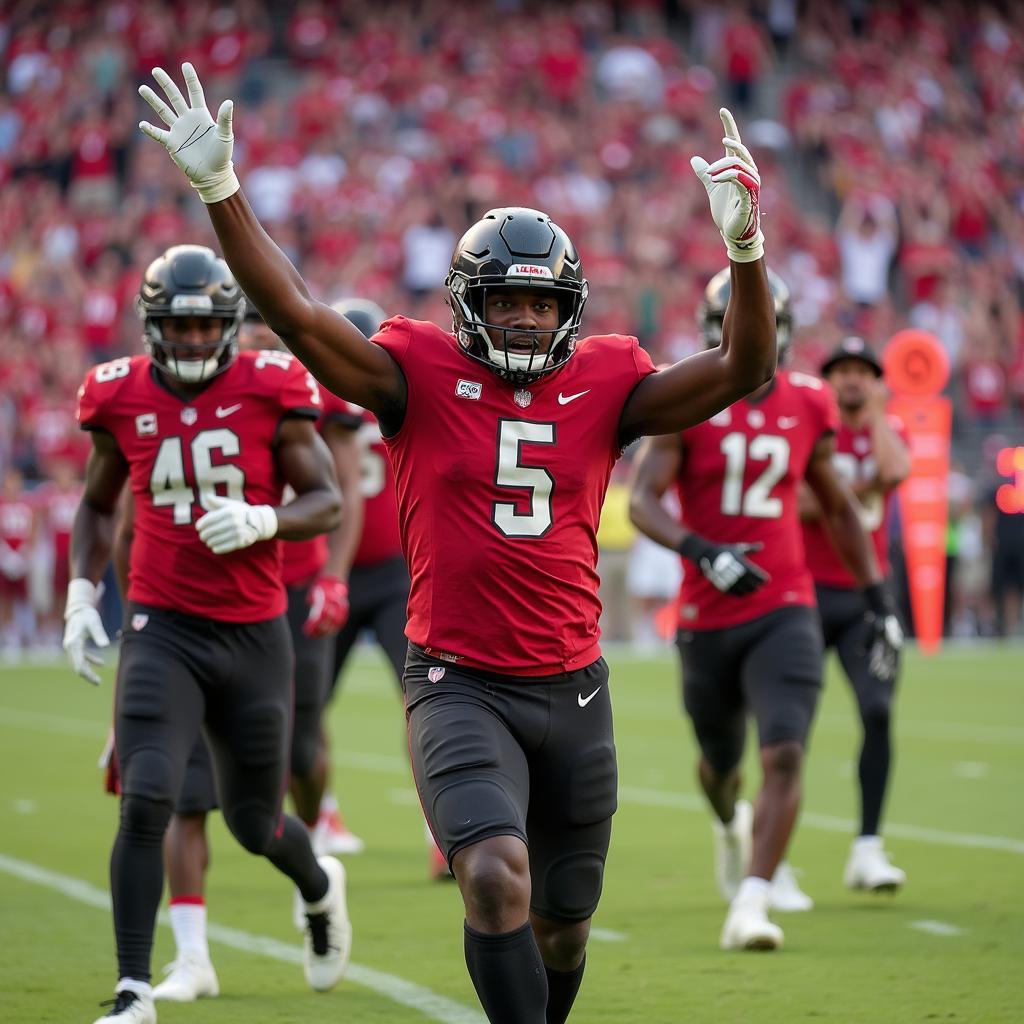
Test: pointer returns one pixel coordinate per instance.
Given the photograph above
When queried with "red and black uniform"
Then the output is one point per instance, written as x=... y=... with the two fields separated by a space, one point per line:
x=842 y=608
x=378 y=584
x=739 y=483
x=499 y=494
x=205 y=640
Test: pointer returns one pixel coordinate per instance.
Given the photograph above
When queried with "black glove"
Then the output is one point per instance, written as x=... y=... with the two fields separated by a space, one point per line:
x=884 y=634
x=725 y=566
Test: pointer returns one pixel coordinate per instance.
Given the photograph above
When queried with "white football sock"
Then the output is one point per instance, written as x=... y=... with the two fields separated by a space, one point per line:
x=188 y=922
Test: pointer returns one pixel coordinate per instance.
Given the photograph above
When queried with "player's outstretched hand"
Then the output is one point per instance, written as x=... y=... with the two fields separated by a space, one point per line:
x=81 y=624
x=200 y=146
x=328 y=606
x=231 y=525
x=733 y=186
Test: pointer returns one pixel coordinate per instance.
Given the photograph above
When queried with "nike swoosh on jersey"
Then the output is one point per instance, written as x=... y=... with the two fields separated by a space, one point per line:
x=221 y=411
x=584 y=701
x=566 y=399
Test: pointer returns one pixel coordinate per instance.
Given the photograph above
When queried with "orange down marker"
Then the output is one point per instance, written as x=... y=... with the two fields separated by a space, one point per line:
x=916 y=371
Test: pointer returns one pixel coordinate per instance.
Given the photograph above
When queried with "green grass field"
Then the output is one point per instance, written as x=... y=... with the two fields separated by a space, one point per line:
x=955 y=824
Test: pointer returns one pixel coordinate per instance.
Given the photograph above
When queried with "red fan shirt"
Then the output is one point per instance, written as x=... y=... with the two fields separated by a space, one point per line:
x=499 y=495
x=855 y=464
x=741 y=471
x=380 y=539
x=179 y=453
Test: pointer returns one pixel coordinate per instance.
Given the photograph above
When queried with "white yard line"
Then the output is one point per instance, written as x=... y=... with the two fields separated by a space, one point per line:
x=390 y=986
x=947 y=931
x=396 y=765
x=607 y=935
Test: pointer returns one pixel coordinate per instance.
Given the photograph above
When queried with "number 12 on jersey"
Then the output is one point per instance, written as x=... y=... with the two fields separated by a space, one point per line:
x=757 y=500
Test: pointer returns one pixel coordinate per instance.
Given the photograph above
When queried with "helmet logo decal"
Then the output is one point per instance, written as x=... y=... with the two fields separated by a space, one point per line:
x=523 y=398
x=197 y=305
x=469 y=389
x=529 y=270
x=189 y=415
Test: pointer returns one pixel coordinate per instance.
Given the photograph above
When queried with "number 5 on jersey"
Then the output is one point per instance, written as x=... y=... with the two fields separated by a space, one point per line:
x=169 y=484
x=510 y=472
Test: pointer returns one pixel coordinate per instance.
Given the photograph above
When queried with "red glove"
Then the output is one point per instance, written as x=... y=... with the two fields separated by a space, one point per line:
x=328 y=606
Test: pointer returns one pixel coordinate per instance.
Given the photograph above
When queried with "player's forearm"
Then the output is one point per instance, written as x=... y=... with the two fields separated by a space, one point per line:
x=265 y=273
x=853 y=543
x=748 y=330
x=343 y=542
x=91 y=542
x=648 y=515
x=807 y=504
x=892 y=457
x=309 y=514
x=122 y=560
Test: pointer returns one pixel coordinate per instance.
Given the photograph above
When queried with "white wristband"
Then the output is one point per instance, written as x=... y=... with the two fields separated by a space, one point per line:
x=81 y=594
x=749 y=251
x=213 y=190
x=265 y=521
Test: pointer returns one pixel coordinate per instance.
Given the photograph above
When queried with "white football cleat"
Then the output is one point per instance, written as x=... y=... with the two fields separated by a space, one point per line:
x=129 y=1007
x=188 y=978
x=869 y=867
x=327 y=945
x=332 y=835
x=747 y=925
x=786 y=895
x=733 y=844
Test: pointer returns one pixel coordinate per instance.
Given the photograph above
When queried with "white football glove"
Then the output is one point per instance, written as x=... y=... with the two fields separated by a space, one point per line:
x=82 y=623
x=733 y=186
x=200 y=146
x=231 y=525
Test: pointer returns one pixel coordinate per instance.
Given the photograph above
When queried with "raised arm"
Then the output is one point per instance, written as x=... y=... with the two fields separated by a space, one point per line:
x=696 y=388
x=330 y=347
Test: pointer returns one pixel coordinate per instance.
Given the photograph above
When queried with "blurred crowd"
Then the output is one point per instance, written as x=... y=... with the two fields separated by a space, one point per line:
x=368 y=135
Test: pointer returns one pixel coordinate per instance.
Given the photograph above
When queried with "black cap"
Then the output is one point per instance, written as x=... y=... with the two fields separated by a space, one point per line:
x=852 y=348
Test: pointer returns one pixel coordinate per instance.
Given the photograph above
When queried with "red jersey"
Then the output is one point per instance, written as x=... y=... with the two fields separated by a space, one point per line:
x=855 y=464
x=59 y=508
x=305 y=559
x=380 y=539
x=499 y=495
x=179 y=453
x=739 y=481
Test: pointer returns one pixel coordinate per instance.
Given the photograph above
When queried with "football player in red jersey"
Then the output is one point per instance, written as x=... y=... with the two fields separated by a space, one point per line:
x=749 y=637
x=502 y=434
x=208 y=438
x=872 y=456
x=314 y=573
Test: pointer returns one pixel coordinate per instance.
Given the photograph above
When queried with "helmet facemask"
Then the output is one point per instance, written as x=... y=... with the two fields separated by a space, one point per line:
x=205 y=361
x=468 y=299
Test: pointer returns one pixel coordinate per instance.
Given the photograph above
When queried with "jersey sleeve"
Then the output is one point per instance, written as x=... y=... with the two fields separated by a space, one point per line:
x=96 y=395
x=394 y=336
x=299 y=394
x=642 y=360
x=828 y=410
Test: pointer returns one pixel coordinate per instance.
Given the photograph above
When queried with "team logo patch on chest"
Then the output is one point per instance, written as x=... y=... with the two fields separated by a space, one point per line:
x=189 y=415
x=145 y=424
x=523 y=398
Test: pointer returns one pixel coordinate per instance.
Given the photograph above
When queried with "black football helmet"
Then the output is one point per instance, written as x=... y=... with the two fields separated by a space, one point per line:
x=190 y=280
x=711 y=312
x=515 y=247
x=365 y=315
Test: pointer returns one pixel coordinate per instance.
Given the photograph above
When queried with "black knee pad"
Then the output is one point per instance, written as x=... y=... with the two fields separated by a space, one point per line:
x=146 y=820
x=149 y=773
x=252 y=824
x=572 y=886
x=304 y=752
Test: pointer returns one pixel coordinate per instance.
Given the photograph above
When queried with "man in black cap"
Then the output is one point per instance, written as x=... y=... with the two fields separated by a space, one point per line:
x=873 y=457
